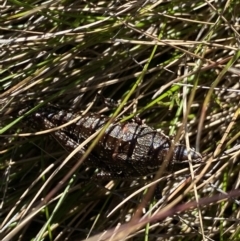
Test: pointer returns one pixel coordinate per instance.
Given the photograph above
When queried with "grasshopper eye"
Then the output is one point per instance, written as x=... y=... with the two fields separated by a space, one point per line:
x=181 y=153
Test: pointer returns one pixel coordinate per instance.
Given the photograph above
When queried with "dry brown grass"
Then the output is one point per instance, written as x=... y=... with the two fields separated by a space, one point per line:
x=175 y=63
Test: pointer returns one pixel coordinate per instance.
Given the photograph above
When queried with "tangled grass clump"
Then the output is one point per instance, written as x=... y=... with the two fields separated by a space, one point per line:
x=173 y=63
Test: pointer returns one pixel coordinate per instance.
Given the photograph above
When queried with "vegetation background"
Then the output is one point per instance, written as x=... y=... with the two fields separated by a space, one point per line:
x=173 y=63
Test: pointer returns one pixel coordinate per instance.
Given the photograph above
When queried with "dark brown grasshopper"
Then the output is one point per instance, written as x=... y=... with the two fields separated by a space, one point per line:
x=126 y=149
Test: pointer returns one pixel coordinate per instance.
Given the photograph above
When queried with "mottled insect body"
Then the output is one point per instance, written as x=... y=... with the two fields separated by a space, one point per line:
x=126 y=149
